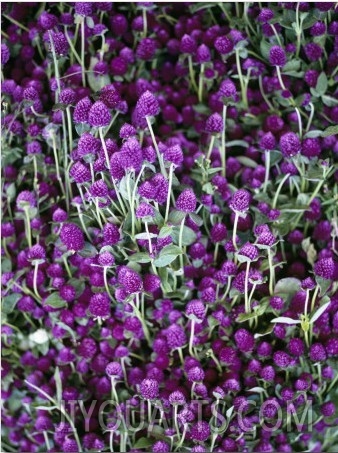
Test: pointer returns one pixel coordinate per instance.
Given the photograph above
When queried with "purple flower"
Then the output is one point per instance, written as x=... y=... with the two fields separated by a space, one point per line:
x=268 y=142
x=277 y=56
x=99 y=305
x=200 y=431
x=72 y=237
x=99 y=115
x=203 y=54
x=81 y=112
x=144 y=210
x=186 y=201
x=114 y=370
x=147 y=105
x=5 y=54
x=188 y=44
x=214 y=124
x=160 y=447
x=80 y=173
x=240 y=201
x=223 y=45
x=176 y=337
x=290 y=144
x=324 y=268
x=317 y=352
x=84 y=8
x=149 y=389
x=244 y=340
x=60 y=43
x=146 y=49
x=249 y=251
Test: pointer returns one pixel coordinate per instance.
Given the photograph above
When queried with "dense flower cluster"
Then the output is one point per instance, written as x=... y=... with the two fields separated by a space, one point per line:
x=170 y=228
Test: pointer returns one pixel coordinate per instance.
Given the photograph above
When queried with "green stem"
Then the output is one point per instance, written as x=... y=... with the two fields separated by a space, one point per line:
x=272 y=273
x=171 y=170
x=191 y=339
x=104 y=146
x=28 y=226
x=211 y=145
x=241 y=80
x=246 y=284
x=310 y=117
x=279 y=188
x=35 y=276
x=234 y=231
x=159 y=156
x=267 y=169
x=83 y=52
x=67 y=266
x=200 y=84
x=223 y=148
x=180 y=242
x=114 y=396
x=192 y=74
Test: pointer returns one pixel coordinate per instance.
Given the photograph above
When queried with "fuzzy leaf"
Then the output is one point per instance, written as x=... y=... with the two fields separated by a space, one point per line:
x=319 y=312
x=285 y=320
x=331 y=130
x=55 y=301
x=246 y=161
x=176 y=217
x=9 y=302
x=165 y=231
x=188 y=237
x=196 y=219
x=143 y=442
x=167 y=255
x=287 y=286
x=322 y=84
x=140 y=257
x=145 y=236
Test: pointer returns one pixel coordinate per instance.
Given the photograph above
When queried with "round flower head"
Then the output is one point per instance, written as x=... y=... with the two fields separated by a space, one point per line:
x=60 y=43
x=196 y=374
x=324 y=268
x=130 y=279
x=99 y=189
x=249 y=251
x=5 y=54
x=296 y=347
x=290 y=144
x=80 y=173
x=317 y=352
x=99 y=305
x=328 y=409
x=268 y=142
x=195 y=309
x=200 y=431
x=111 y=234
x=127 y=130
x=25 y=198
x=114 y=370
x=37 y=252
x=214 y=124
x=106 y=259
x=244 y=340
x=174 y=154
x=88 y=144
x=277 y=56
x=188 y=44
x=160 y=447
x=149 y=389
x=72 y=237
x=176 y=397
x=151 y=283
x=99 y=115
x=281 y=359
x=67 y=96
x=147 y=105
x=81 y=111
x=223 y=45
x=84 y=8
x=203 y=54
x=240 y=201
x=176 y=337
x=34 y=147
x=186 y=201
x=70 y=446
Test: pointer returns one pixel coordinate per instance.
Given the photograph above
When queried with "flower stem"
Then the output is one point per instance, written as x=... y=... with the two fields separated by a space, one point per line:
x=191 y=340
x=192 y=74
x=159 y=157
x=200 y=83
x=279 y=188
x=28 y=226
x=267 y=169
x=223 y=148
x=35 y=276
x=211 y=145
x=246 y=284
x=234 y=231
x=104 y=146
x=83 y=52
x=171 y=169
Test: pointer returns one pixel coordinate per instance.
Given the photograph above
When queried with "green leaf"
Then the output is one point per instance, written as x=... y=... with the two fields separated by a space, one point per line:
x=58 y=384
x=145 y=236
x=6 y=265
x=319 y=312
x=81 y=128
x=9 y=302
x=140 y=257
x=208 y=188
x=246 y=161
x=285 y=320
x=314 y=134
x=188 y=237
x=78 y=284
x=292 y=65
x=143 y=442
x=165 y=231
x=11 y=191
x=324 y=284
x=257 y=311
x=88 y=250
x=265 y=49
x=176 y=217
x=287 y=286
x=196 y=219
x=331 y=130
x=322 y=84
x=55 y=301
x=167 y=255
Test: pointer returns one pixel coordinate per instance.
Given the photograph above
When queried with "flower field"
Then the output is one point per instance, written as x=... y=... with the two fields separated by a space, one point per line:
x=169 y=227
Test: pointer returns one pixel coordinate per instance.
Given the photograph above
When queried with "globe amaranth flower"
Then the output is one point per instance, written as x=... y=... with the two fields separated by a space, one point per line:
x=186 y=201
x=200 y=431
x=214 y=124
x=81 y=111
x=72 y=237
x=5 y=54
x=147 y=105
x=223 y=45
x=99 y=305
x=277 y=56
x=289 y=144
x=130 y=279
x=176 y=337
x=149 y=389
x=59 y=43
x=324 y=268
x=114 y=370
x=240 y=201
x=244 y=340
x=99 y=115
